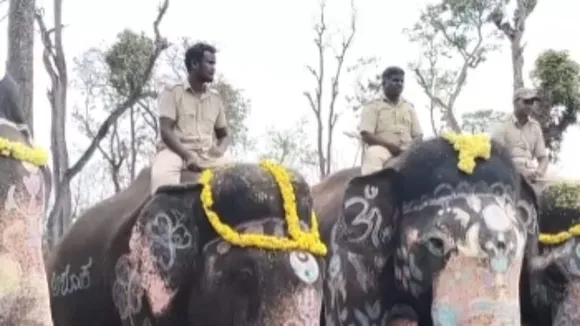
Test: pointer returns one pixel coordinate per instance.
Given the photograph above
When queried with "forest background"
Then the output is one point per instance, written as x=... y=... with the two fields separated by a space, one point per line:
x=293 y=75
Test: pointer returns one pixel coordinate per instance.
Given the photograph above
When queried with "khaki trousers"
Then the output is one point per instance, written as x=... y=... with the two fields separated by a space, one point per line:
x=166 y=167
x=374 y=159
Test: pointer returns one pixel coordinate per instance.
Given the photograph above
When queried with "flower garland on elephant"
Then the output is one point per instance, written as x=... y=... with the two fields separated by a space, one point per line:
x=298 y=240
x=22 y=152
x=562 y=194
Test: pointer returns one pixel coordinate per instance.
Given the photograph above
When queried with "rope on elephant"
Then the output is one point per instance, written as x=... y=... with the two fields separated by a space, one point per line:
x=561 y=200
x=298 y=240
x=21 y=152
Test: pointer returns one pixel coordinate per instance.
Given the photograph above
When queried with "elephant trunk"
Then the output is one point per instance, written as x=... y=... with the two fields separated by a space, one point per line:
x=567 y=311
x=471 y=291
x=302 y=308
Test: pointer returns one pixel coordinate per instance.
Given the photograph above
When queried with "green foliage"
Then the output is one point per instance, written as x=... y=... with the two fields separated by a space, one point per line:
x=127 y=60
x=481 y=120
x=557 y=78
x=563 y=194
x=237 y=109
x=454 y=36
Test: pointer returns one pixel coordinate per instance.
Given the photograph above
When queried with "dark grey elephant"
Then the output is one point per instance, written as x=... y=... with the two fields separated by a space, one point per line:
x=423 y=243
x=24 y=191
x=555 y=287
x=164 y=264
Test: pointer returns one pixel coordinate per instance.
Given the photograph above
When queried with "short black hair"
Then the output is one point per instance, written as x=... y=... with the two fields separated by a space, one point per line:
x=195 y=53
x=391 y=71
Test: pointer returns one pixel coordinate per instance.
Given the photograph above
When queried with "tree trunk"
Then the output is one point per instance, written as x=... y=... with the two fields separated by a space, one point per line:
x=21 y=52
x=517 y=52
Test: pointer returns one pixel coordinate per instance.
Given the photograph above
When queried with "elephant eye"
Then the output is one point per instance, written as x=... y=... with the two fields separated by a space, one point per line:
x=244 y=277
x=304 y=266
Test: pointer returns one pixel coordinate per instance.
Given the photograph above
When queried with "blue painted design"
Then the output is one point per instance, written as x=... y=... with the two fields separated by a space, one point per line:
x=444 y=315
x=499 y=264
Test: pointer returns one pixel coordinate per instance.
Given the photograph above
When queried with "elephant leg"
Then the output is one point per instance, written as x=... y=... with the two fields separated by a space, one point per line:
x=24 y=296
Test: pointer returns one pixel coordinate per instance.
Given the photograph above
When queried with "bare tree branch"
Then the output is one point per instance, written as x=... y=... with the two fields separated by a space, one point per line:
x=135 y=94
x=160 y=45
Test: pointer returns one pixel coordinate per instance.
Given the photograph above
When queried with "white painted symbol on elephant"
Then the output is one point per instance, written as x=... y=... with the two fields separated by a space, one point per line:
x=166 y=237
x=370 y=217
x=127 y=289
x=67 y=283
x=304 y=266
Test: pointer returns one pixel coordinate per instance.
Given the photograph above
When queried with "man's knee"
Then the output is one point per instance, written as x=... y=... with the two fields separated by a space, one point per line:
x=165 y=169
x=374 y=159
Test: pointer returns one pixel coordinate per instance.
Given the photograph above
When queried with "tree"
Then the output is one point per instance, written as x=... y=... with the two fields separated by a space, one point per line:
x=105 y=78
x=326 y=119
x=448 y=32
x=20 y=64
x=514 y=33
x=237 y=107
x=290 y=146
x=557 y=78
x=135 y=86
x=481 y=120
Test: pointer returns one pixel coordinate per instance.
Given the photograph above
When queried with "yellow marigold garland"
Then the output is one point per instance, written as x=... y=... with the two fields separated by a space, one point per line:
x=563 y=194
x=21 y=152
x=297 y=240
x=469 y=147
x=561 y=237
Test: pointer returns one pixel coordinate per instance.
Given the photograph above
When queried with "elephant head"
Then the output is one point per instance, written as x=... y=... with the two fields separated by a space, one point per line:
x=555 y=291
x=427 y=243
x=174 y=268
x=23 y=196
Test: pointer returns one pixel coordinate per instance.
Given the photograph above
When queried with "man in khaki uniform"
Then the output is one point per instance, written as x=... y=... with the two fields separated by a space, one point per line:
x=388 y=125
x=190 y=114
x=523 y=136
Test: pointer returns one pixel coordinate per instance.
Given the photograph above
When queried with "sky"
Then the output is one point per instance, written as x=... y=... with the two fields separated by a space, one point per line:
x=264 y=46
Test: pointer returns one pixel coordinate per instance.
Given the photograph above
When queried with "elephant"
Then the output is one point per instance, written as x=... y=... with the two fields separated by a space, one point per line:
x=24 y=191
x=555 y=292
x=158 y=259
x=423 y=243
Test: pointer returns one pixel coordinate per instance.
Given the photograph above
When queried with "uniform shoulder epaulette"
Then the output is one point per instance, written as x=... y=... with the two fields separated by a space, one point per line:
x=408 y=103
x=534 y=121
x=171 y=87
x=213 y=91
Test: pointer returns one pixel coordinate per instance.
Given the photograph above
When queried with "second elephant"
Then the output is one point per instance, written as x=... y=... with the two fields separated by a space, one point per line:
x=166 y=265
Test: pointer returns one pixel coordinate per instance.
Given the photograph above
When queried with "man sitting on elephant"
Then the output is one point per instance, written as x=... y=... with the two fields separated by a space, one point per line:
x=388 y=125
x=523 y=136
x=190 y=114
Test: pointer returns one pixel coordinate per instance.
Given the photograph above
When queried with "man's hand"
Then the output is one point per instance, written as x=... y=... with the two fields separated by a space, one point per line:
x=394 y=149
x=216 y=151
x=190 y=164
x=538 y=174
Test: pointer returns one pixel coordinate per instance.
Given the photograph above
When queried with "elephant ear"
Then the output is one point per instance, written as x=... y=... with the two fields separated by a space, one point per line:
x=370 y=210
x=154 y=254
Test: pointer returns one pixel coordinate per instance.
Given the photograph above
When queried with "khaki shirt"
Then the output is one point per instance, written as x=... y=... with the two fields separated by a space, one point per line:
x=196 y=116
x=524 y=142
x=393 y=122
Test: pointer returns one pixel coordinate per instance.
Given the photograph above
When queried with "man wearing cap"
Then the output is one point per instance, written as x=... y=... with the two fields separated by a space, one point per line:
x=523 y=136
x=388 y=125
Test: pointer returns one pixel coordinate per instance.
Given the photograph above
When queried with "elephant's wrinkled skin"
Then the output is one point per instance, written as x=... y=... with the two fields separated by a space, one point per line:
x=425 y=244
x=24 y=191
x=164 y=264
